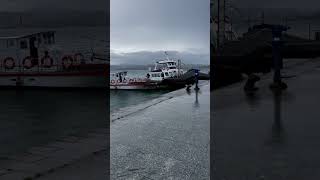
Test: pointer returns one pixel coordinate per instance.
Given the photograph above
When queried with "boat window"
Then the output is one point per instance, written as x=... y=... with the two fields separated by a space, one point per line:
x=167 y=74
x=10 y=43
x=23 y=44
x=45 y=38
x=49 y=40
x=39 y=39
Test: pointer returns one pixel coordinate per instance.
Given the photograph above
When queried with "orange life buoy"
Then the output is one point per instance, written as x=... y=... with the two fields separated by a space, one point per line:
x=78 y=59
x=67 y=62
x=46 y=61
x=112 y=81
x=9 y=63
x=27 y=62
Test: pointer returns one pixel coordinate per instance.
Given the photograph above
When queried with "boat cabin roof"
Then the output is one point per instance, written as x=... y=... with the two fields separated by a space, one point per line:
x=44 y=34
x=166 y=61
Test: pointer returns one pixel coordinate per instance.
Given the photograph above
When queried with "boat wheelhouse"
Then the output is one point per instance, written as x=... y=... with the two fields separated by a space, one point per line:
x=165 y=69
x=33 y=60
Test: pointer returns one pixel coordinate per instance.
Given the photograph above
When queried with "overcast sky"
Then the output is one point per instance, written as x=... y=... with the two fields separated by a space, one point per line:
x=145 y=27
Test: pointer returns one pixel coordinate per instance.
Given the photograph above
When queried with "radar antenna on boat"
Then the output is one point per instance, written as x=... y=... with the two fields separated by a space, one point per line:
x=167 y=56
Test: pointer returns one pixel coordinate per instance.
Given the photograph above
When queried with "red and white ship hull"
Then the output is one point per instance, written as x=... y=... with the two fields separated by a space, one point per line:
x=136 y=86
x=96 y=78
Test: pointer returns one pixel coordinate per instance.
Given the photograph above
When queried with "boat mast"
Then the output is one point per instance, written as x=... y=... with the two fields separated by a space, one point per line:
x=219 y=10
x=179 y=64
x=167 y=56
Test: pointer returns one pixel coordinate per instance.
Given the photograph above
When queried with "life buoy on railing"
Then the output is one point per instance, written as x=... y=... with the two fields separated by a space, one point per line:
x=46 y=61
x=9 y=63
x=67 y=62
x=118 y=81
x=27 y=62
x=78 y=59
x=112 y=81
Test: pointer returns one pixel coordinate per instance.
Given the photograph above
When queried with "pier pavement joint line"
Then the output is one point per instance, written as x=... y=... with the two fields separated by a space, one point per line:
x=141 y=109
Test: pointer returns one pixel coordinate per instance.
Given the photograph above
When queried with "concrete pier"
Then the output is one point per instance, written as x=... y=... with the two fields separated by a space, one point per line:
x=169 y=140
x=266 y=134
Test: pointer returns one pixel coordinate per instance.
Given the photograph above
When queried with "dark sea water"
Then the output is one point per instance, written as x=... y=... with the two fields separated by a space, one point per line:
x=35 y=117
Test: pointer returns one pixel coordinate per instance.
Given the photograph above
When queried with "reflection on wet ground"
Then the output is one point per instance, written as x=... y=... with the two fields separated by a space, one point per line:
x=268 y=134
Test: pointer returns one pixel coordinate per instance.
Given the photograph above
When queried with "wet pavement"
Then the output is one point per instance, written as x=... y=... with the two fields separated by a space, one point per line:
x=269 y=135
x=164 y=138
x=55 y=158
x=167 y=140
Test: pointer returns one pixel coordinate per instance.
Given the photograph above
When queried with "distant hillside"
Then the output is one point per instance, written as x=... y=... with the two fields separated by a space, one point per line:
x=53 y=19
x=145 y=67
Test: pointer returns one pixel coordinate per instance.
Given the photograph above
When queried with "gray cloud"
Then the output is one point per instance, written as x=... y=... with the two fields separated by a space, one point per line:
x=165 y=25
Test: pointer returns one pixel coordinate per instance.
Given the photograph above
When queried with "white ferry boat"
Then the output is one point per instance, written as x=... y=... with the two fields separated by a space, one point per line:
x=154 y=79
x=32 y=61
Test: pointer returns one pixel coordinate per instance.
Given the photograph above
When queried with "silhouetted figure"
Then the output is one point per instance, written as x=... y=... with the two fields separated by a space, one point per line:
x=250 y=84
x=120 y=77
x=277 y=44
x=33 y=51
x=196 y=75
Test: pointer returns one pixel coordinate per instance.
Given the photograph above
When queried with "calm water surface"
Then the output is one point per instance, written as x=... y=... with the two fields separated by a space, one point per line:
x=36 y=117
